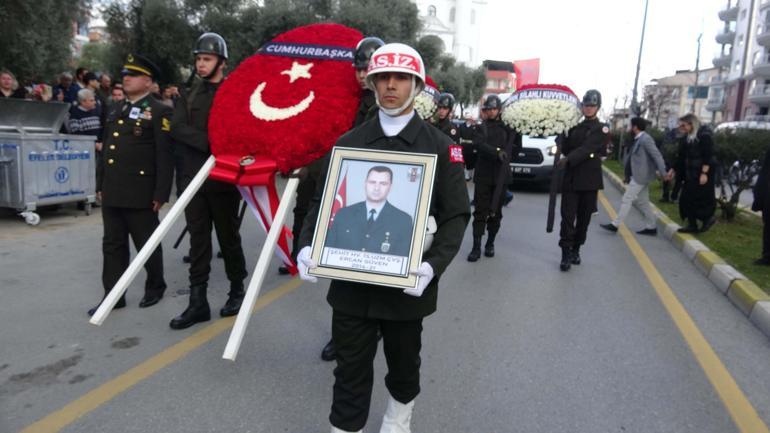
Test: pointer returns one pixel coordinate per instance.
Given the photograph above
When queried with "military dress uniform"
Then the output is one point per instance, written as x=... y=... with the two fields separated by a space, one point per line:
x=360 y=309
x=216 y=203
x=491 y=170
x=447 y=127
x=135 y=169
x=387 y=231
x=583 y=146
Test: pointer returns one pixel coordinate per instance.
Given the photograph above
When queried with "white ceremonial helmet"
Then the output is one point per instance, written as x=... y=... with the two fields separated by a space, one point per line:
x=401 y=58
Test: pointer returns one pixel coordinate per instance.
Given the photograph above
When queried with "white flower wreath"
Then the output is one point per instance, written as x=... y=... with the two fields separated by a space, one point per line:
x=540 y=117
x=425 y=104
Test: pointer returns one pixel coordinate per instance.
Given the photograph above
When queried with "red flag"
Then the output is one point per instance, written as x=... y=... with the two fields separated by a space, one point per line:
x=340 y=198
x=527 y=72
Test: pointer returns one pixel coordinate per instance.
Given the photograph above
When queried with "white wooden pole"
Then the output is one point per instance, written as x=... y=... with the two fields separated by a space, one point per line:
x=149 y=247
x=255 y=285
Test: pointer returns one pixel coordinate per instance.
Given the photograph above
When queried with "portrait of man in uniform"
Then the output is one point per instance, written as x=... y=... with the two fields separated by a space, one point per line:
x=374 y=216
x=373 y=225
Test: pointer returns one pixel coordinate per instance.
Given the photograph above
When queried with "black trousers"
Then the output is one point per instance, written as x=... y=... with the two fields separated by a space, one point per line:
x=355 y=339
x=576 y=210
x=482 y=196
x=220 y=210
x=119 y=224
x=766 y=232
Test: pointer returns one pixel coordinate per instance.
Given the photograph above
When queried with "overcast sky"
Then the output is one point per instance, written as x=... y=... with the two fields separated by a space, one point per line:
x=594 y=43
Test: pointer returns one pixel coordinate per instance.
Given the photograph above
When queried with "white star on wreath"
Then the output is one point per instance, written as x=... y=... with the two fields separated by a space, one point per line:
x=298 y=71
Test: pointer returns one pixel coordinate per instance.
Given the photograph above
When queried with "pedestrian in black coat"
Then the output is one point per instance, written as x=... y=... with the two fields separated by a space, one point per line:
x=697 y=201
x=762 y=203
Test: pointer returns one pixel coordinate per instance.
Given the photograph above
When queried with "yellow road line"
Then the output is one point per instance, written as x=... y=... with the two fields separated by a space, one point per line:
x=65 y=416
x=742 y=412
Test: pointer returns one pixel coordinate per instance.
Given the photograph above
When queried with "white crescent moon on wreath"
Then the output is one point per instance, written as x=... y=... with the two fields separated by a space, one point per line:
x=263 y=111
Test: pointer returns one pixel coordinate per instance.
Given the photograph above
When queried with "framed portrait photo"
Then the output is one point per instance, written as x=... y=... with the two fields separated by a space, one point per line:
x=373 y=217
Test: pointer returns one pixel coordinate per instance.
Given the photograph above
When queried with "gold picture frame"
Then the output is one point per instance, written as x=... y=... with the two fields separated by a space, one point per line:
x=361 y=236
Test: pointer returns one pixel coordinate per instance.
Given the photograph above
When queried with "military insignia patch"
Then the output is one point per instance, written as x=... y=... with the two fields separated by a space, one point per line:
x=165 y=125
x=456 y=154
x=606 y=130
x=453 y=131
x=147 y=115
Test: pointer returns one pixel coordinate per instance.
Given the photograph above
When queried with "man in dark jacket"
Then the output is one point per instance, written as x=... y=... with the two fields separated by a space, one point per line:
x=491 y=176
x=361 y=309
x=762 y=203
x=134 y=178
x=216 y=203
x=374 y=224
x=581 y=151
x=446 y=102
x=367 y=109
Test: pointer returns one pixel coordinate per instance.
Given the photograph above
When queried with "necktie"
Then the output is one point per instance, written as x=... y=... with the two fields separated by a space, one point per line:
x=370 y=221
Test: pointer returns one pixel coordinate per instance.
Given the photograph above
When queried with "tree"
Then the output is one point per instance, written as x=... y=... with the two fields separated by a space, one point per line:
x=36 y=37
x=465 y=83
x=100 y=56
x=391 y=21
x=739 y=152
x=431 y=48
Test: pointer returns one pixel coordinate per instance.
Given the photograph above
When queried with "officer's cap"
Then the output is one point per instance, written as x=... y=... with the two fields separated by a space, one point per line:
x=137 y=64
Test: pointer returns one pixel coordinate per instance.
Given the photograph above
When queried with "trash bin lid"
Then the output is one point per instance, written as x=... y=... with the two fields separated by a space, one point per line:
x=20 y=115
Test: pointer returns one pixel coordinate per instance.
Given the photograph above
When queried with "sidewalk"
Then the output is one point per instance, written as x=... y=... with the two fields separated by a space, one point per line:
x=741 y=291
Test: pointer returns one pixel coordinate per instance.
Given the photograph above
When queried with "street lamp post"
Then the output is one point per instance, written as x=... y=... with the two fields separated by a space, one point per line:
x=635 y=108
x=697 y=72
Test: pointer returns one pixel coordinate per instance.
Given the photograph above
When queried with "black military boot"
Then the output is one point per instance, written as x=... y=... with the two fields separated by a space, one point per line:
x=234 y=300
x=489 y=247
x=476 y=250
x=197 y=311
x=576 y=255
x=566 y=259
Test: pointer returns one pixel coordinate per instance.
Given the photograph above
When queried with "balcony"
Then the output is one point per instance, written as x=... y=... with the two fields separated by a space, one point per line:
x=729 y=14
x=762 y=66
x=717 y=81
x=763 y=36
x=723 y=60
x=760 y=95
x=758 y=118
x=715 y=103
x=725 y=37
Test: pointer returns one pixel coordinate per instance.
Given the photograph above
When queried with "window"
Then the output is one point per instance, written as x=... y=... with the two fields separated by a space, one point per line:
x=737 y=65
x=740 y=40
x=431 y=11
x=473 y=16
x=743 y=14
x=452 y=15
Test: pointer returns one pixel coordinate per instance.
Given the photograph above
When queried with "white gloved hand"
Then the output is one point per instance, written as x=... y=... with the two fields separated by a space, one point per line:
x=424 y=276
x=304 y=262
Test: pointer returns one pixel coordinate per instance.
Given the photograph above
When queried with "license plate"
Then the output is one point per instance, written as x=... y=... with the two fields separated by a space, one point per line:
x=522 y=170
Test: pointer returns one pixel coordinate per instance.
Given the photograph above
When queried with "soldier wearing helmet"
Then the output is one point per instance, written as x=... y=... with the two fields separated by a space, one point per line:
x=216 y=203
x=446 y=102
x=396 y=75
x=309 y=176
x=581 y=149
x=494 y=145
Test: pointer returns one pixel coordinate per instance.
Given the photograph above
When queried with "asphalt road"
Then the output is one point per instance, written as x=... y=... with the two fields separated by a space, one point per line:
x=516 y=345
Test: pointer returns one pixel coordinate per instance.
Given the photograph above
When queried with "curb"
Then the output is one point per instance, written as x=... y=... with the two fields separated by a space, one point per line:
x=743 y=293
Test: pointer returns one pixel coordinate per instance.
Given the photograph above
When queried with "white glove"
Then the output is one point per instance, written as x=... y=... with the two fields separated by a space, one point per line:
x=424 y=276
x=304 y=262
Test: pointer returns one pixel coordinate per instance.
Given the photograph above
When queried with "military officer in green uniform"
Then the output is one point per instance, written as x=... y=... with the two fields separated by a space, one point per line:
x=396 y=74
x=216 y=203
x=134 y=176
x=581 y=150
